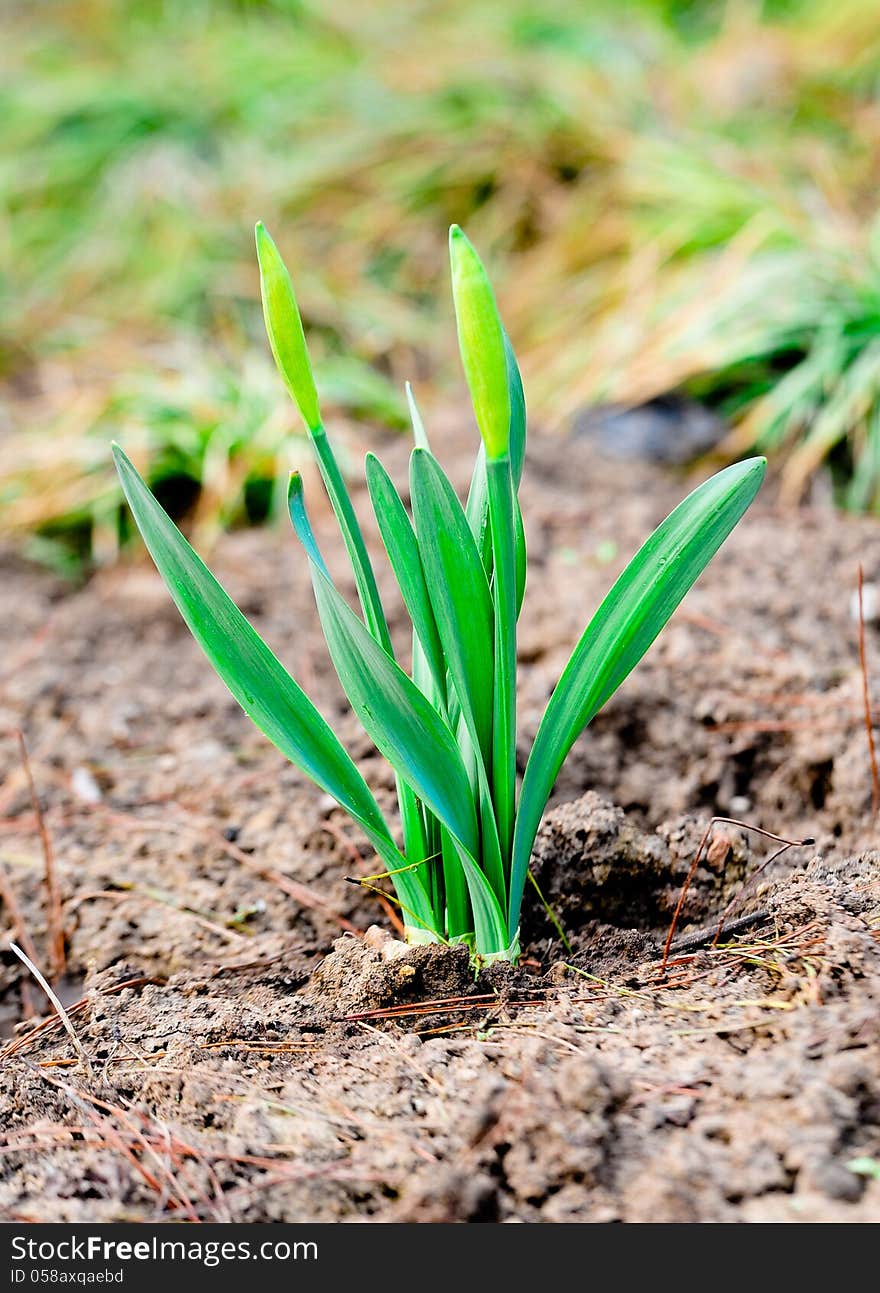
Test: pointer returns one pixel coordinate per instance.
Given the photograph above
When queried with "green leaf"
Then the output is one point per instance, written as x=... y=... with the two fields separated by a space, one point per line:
x=403 y=553
x=521 y=556
x=416 y=741
x=260 y=684
x=477 y=510
x=517 y=401
x=517 y=462
x=368 y=592
x=459 y=593
x=410 y=813
x=629 y=619
x=299 y=517
x=490 y=925
x=401 y=722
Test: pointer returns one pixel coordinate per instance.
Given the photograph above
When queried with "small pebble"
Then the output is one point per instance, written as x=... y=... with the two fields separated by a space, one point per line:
x=84 y=786
x=838 y=1182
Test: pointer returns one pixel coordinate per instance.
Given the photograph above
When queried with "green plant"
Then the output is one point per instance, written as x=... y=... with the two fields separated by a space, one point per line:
x=449 y=730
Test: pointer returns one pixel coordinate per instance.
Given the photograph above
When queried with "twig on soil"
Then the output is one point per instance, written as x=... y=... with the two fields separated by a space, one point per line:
x=866 y=694
x=450 y=1005
x=365 y=882
x=301 y=893
x=260 y=1048
x=713 y=822
x=82 y=1100
x=700 y=937
x=62 y=1013
x=54 y=915
x=22 y=934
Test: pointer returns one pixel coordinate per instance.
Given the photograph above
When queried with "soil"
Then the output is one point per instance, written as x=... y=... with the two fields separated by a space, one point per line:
x=258 y=1046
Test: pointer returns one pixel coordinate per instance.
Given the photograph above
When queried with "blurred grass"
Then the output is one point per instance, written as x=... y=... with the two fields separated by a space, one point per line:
x=671 y=195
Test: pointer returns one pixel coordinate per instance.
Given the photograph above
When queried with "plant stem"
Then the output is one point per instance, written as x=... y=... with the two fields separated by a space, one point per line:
x=502 y=506
x=368 y=592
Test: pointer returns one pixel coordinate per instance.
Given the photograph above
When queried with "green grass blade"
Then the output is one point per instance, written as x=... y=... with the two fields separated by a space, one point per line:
x=625 y=625
x=403 y=553
x=260 y=684
x=459 y=593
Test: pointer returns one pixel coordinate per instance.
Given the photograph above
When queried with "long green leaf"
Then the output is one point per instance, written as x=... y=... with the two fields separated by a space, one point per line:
x=517 y=462
x=517 y=399
x=459 y=593
x=416 y=741
x=260 y=684
x=625 y=625
x=502 y=508
x=403 y=553
x=401 y=722
x=411 y=816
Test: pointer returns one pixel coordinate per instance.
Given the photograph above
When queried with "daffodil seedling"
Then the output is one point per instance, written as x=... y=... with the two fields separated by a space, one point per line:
x=448 y=729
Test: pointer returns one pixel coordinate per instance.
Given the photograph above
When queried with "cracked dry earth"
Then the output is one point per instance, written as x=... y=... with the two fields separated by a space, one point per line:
x=261 y=1048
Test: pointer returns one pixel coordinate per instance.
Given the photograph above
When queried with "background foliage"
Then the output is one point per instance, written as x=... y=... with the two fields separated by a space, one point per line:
x=669 y=195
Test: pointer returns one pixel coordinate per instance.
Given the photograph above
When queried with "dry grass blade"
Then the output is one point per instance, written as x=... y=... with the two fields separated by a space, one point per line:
x=61 y=1012
x=713 y=822
x=866 y=693
x=55 y=919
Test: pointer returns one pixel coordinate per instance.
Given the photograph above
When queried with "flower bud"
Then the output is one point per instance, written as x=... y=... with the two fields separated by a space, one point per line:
x=285 y=330
x=481 y=343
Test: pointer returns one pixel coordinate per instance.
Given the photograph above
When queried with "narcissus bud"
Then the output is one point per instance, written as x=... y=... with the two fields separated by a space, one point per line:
x=284 y=326
x=481 y=343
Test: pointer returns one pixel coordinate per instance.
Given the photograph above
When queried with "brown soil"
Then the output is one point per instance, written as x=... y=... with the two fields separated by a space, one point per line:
x=254 y=1057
